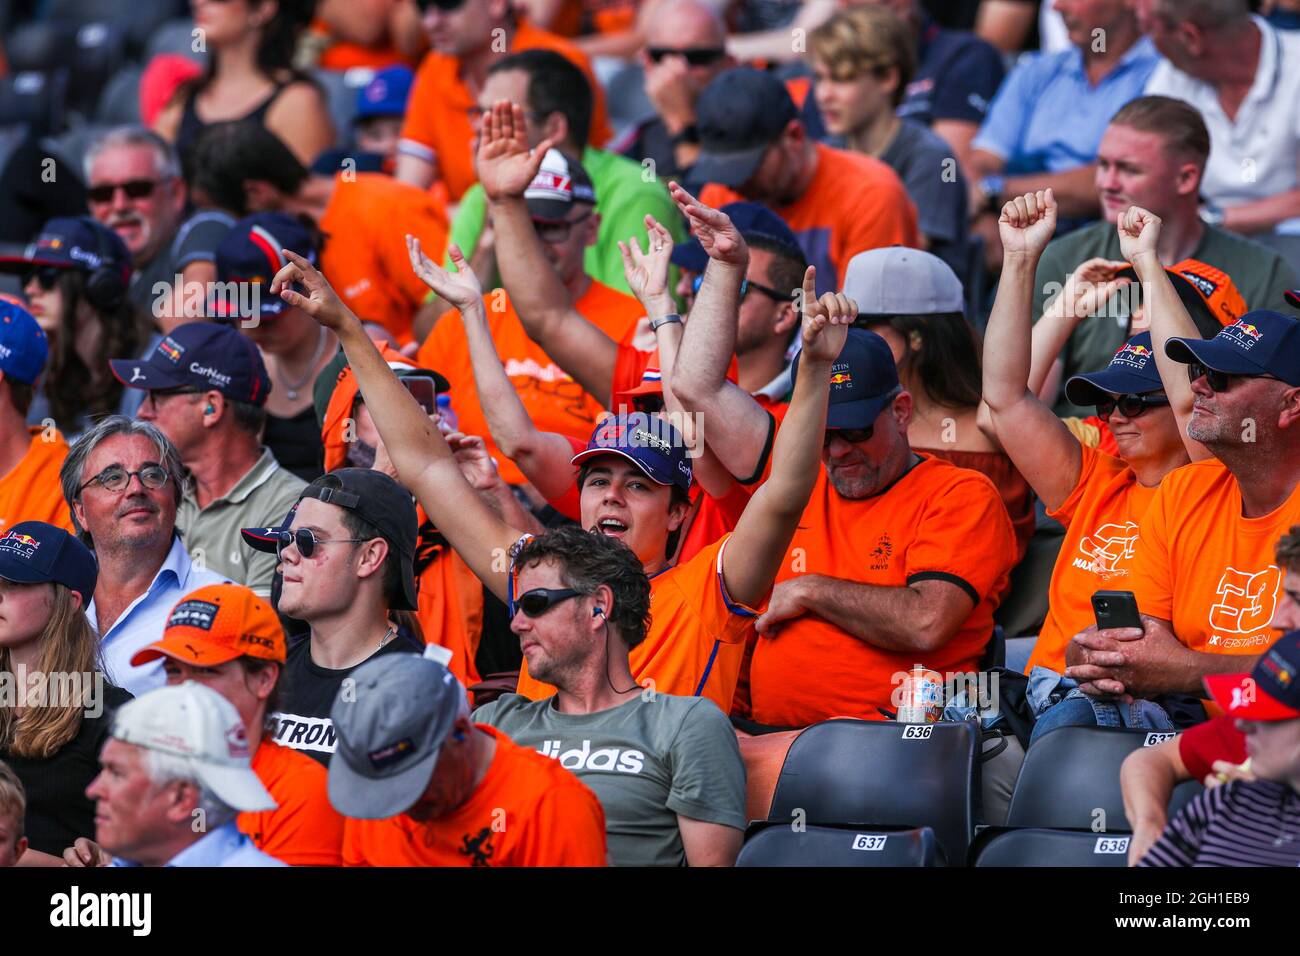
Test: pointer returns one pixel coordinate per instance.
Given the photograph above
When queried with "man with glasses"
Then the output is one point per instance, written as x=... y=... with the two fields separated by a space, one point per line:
x=206 y=389
x=346 y=553
x=123 y=481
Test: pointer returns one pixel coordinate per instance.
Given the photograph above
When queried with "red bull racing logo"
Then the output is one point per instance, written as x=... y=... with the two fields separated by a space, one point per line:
x=170 y=349
x=1134 y=355
x=1243 y=334
x=23 y=544
x=841 y=378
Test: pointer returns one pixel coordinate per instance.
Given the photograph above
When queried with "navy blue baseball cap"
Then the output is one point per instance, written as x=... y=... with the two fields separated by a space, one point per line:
x=739 y=115
x=250 y=256
x=864 y=379
x=1132 y=371
x=385 y=95
x=647 y=441
x=23 y=345
x=752 y=220
x=201 y=355
x=34 y=552
x=76 y=242
x=1262 y=342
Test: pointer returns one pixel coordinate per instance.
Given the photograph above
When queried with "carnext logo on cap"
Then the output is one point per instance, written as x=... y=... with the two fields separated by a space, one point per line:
x=219 y=379
x=1243 y=334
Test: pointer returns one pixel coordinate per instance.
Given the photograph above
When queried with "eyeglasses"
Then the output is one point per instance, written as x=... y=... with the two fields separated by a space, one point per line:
x=699 y=56
x=1130 y=406
x=154 y=394
x=745 y=286
x=134 y=189
x=851 y=435
x=553 y=233
x=47 y=276
x=306 y=541
x=538 y=601
x=444 y=5
x=1218 y=381
x=115 y=478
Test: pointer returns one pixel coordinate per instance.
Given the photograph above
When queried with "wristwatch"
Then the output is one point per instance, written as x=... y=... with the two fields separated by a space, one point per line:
x=689 y=134
x=657 y=324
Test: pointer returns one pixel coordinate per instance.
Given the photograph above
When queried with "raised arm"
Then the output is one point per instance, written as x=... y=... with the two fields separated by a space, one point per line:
x=737 y=425
x=758 y=547
x=1039 y=445
x=505 y=167
x=1139 y=231
x=425 y=463
x=1086 y=290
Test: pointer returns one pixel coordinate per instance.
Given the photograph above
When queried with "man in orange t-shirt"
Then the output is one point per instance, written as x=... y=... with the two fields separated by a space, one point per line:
x=423 y=785
x=30 y=458
x=437 y=136
x=837 y=203
x=228 y=638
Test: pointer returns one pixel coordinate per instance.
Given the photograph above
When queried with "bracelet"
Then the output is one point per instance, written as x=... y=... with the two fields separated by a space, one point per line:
x=657 y=324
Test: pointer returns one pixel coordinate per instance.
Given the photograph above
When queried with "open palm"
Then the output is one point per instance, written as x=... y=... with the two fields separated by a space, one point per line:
x=505 y=163
x=647 y=272
x=461 y=288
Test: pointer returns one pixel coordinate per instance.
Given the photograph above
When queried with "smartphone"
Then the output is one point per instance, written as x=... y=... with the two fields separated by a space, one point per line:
x=424 y=390
x=1116 y=609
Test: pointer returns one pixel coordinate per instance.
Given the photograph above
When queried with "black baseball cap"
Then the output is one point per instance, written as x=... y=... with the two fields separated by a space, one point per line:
x=1262 y=342
x=863 y=380
x=202 y=355
x=34 y=552
x=376 y=498
x=739 y=115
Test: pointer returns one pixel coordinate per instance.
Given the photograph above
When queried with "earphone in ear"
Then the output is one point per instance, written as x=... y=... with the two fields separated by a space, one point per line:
x=459 y=735
x=598 y=612
x=210 y=409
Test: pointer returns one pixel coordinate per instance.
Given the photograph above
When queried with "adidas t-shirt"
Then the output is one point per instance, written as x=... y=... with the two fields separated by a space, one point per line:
x=304 y=722
x=647 y=760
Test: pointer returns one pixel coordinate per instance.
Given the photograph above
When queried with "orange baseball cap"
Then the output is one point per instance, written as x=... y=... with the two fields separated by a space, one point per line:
x=1215 y=287
x=216 y=624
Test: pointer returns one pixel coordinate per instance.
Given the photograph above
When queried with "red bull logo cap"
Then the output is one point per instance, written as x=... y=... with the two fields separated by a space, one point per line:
x=34 y=552
x=1262 y=342
x=1132 y=371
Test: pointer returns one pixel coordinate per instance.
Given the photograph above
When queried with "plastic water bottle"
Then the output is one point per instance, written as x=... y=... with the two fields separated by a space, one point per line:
x=447 y=420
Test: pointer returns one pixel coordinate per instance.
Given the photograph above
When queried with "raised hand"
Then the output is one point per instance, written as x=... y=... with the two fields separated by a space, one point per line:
x=713 y=227
x=475 y=463
x=321 y=302
x=647 y=272
x=1089 y=287
x=504 y=162
x=461 y=288
x=1027 y=224
x=1139 y=231
x=826 y=320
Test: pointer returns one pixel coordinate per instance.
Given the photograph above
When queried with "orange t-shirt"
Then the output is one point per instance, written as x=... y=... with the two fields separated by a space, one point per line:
x=937 y=522
x=437 y=115
x=365 y=257
x=304 y=829
x=696 y=639
x=1207 y=569
x=1101 y=518
x=31 y=491
x=526 y=811
x=853 y=203
x=553 y=400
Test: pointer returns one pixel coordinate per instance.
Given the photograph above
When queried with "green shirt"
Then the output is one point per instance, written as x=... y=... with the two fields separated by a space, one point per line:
x=1260 y=274
x=259 y=499
x=623 y=197
x=647 y=760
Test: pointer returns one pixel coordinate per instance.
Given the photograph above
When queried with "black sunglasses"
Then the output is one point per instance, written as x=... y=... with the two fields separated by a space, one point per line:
x=538 y=601
x=1130 y=406
x=134 y=189
x=745 y=285
x=445 y=5
x=47 y=276
x=850 y=435
x=1218 y=381
x=306 y=541
x=698 y=56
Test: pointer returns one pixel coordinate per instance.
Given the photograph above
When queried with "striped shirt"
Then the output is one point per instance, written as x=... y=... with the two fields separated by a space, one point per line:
x=1238 y=824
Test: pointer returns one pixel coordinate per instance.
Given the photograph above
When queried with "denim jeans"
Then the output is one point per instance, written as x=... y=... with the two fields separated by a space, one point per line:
x=1077 y=709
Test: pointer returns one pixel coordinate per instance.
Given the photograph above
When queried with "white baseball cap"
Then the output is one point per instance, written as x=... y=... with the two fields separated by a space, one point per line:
x=900 y=281
x=195 y=722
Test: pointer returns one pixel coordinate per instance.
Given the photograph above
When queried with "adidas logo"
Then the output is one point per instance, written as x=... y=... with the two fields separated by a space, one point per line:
x=584 y=758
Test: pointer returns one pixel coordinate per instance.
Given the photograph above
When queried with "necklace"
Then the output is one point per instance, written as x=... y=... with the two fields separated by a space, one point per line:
x=388 y=635
x=291 y=389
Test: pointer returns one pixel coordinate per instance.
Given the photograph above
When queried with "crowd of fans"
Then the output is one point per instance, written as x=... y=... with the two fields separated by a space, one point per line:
x=507 y=474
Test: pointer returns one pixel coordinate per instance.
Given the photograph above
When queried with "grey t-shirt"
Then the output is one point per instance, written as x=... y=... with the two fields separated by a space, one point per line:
x=647 y=760
x=196 y=241
x=1259 y=273
x=925 y=164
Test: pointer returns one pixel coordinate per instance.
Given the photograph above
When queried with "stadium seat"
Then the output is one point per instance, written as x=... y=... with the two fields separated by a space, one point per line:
x=879 y=773
x=91 y=53
x=120 y=102
x=1038 y=847
x=764 y=755
x=174 y=36
x=137 y=19
x=34 y=100
x=779 y=844
x=1070 y=779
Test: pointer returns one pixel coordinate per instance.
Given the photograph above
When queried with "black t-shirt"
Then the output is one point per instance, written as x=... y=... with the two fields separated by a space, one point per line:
x=296 y=443
x=303 y=722
x=58 y=810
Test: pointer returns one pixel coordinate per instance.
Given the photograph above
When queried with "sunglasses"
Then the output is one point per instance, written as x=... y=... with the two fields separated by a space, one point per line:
x=556 y=232
x=444 y=5
x=538 y=601
x=1218 y=381
x=1130 y=406
x=134 y=189
x=115 y=478
x=851 y=435
x=306 y=541
x=47 y=276
x=699 y=56
x=745 y=286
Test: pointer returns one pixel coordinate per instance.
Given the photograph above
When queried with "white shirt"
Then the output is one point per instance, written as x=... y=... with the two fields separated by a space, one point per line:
x=1256 y=155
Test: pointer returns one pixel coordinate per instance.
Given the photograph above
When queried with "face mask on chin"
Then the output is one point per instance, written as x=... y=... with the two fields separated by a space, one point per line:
x=361 y=454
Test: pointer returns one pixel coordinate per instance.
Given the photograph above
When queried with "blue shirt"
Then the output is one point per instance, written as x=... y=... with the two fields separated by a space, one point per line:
x=144 y=618
x=224 y=846
x=1048 y=118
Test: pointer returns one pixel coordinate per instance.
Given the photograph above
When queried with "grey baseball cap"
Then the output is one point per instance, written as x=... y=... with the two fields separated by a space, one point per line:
x=902 y=281
x=391 y=726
